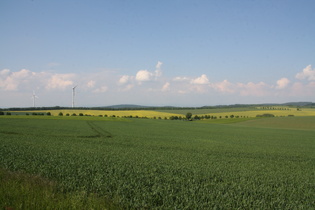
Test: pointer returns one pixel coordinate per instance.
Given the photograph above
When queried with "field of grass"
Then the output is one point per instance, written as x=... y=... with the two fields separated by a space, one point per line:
x=164 y=164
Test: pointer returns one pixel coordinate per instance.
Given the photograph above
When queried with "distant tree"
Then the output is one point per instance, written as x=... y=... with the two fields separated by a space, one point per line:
x=8 y=113
x=80 y=114
x=1 y=113
x=67 y=114
x=74 y=114
x=60 y=114
x=196 y=117
x=188 y=115
x=232 y=116
x=48 y=113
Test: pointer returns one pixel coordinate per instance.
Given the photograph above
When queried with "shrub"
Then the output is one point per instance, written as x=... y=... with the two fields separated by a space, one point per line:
x=265 y=115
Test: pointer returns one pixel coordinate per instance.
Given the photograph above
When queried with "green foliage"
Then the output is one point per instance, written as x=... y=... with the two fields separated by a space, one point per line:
x=265 y=115
x=60 y=114
x=23 y=191
x=163 y=164
x=188 y=115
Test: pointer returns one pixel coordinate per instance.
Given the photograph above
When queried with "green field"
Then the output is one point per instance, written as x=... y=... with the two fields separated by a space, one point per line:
x=266 y=163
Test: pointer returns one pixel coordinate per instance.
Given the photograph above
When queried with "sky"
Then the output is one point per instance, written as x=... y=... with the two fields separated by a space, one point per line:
x=156 y=53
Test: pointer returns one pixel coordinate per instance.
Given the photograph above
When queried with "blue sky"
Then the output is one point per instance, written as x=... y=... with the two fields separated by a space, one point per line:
x=182 y=53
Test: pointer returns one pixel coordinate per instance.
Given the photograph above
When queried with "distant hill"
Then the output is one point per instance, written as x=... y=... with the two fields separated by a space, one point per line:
x=125 y=106
x=298 y=104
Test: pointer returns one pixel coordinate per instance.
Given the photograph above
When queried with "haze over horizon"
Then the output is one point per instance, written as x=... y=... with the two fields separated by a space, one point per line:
x=156 y=53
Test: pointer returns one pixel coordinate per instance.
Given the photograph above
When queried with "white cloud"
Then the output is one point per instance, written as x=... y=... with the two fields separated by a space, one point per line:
x=158 y=65
x=91 y=84
x=4 y=72
x=128 y=87
x=124 y=79
x=12 y=80
x=307 y=73
x=202 y=80
x=60 y=81
x=181 y=79
x=254 y=89
x=143 y=75
x=166 y=86
x=282 y=83
x=224 y=86
x=101 y=89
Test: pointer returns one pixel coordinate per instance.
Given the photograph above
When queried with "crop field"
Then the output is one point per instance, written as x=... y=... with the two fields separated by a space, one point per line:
x=119 y=113
x=266 y=163
x=247 y=111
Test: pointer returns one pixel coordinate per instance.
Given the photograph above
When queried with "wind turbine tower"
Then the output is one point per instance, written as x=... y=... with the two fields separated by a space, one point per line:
x=34 y=98
x=73 y=94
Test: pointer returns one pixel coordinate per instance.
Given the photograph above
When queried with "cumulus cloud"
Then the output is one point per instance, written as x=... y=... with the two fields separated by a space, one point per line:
x=224 y=86
x=282 y=83
x=60 y=81
x=91 y=84
x=124 y=79
x=101 y=89
x=181 y=79
x=307 y=73
x=144 y=75
x=4 y=72
x=12 y=80
x=166 y=86
x=158 y=65
x=252 y=89
x=202 y=80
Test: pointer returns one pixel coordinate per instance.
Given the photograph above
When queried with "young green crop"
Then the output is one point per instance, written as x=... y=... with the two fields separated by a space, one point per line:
x=161 y=164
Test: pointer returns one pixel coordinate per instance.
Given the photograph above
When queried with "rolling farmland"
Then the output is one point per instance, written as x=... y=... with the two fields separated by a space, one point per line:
x=146 y=164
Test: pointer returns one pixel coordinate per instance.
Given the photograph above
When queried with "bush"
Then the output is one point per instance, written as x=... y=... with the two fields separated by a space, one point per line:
x=265 y=115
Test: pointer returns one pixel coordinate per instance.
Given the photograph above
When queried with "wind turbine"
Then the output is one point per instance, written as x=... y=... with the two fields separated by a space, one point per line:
x=73 y=94
x=34 y=98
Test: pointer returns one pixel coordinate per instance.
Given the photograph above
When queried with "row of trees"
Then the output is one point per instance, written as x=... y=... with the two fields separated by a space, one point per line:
x=188 y=116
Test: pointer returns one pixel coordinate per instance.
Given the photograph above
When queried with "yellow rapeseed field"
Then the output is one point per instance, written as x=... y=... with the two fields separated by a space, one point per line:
x=120 y=113
x=277 y=113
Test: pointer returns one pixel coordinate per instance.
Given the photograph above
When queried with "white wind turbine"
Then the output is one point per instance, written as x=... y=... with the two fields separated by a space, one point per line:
x=73 y=94
x=34 y=98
